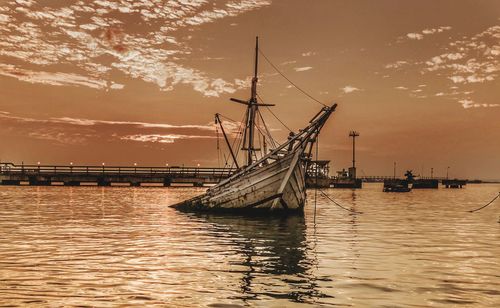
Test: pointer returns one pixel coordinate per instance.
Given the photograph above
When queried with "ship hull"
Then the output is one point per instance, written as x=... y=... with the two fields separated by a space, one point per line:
x=275 y=188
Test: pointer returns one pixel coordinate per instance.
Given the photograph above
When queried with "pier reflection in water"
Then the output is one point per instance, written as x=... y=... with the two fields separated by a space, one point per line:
x=94 y=246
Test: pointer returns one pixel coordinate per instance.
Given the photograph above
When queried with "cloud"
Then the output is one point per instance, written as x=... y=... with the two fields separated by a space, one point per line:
x=396 y=65
x=50 y=78
x=309 y=53
x=90 y=122
x=401 y=88
x=420 y=35
x=349 y=89
x=67 y=130
x=415 y=36
x=457 y=79
x=303 y=69
x=159 y=138
x=117 y=86
x=468 y=103
x=471 y=59
x=90 y=40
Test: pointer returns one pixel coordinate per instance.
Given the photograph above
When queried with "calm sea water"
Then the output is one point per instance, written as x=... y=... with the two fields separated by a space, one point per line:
x=103 y=247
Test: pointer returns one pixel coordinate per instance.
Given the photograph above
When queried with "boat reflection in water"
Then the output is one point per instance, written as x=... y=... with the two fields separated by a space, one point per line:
x=275 y=259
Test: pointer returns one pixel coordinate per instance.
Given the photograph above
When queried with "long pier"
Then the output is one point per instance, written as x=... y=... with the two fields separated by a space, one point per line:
x=70 y=175
x=46 y=175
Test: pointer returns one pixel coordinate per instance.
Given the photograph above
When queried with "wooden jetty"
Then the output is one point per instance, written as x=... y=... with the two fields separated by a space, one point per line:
x=46 y=175
x=454 y=183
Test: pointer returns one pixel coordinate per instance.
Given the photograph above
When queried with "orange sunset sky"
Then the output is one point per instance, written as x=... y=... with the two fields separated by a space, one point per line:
x=140 y=80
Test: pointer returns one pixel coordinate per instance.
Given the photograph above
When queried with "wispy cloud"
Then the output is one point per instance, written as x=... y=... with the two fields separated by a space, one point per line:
x=420 y=35
x=89 y=122
x=469 y=60
x=396 y=65
x=468 y=103
x=49 y=78
x=309 y=53
x=303 y=69
x=349 y=89
x=67 y=130
x=159 y=138
x=415 y=36
x=91 y=38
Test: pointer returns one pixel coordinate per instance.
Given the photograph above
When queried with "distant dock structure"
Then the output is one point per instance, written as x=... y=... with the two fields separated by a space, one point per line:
x=349 y=179
x=317 y=173
x=454 y=183
x=71 y=175
x=47 y=175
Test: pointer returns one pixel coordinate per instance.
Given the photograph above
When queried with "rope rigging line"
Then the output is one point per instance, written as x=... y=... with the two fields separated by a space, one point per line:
x=337 y=204
x=482 y=207
x=291 y=82
x=239 y=138
x=316 y=173
x=218 y=147
x=274 y=143
x=261 y=132
x=269 y=109
x=227 y=118
x=236 y=140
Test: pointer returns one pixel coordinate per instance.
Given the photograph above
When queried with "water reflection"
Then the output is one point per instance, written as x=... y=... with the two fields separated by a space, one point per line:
x=275 y=257
x=125 y=246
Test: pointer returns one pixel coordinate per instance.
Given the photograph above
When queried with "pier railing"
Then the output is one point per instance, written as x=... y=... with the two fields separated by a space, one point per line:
x=75 y=175
x=9 y=168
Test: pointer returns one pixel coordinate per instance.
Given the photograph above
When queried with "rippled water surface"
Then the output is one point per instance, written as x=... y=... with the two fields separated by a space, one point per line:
x=92 y=246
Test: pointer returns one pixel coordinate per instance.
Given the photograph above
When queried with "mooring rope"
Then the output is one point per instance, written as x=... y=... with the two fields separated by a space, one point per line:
x=482 y=207
x=337 y=204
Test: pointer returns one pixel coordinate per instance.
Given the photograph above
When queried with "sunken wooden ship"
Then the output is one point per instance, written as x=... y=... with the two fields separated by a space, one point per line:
x=273 y=183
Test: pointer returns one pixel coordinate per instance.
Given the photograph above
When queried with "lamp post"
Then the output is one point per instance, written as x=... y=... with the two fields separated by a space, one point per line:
x=353 y=134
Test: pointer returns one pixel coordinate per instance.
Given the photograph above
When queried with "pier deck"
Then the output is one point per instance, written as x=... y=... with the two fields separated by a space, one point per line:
x=45 y=175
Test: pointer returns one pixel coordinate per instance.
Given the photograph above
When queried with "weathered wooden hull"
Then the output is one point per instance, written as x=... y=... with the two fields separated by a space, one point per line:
x=257 y=192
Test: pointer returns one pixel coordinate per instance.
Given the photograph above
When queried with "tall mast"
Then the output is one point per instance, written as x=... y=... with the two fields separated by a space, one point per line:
x=252 y=105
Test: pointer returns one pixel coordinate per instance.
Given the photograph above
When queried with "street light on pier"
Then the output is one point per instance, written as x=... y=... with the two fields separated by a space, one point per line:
x=353 y=134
